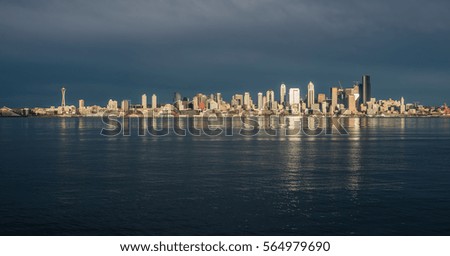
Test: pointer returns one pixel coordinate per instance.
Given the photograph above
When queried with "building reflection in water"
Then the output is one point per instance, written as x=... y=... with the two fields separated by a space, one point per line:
x=354 y=163
x=402 y=124
x=291 y=175
x=63 y=123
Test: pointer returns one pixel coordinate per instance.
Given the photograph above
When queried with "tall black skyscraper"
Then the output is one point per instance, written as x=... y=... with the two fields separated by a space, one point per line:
x=364 y=89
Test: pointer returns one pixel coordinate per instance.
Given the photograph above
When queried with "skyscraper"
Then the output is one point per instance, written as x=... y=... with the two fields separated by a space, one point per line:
x=144 y=101
x=365 y=89
x=402 y=105
x=282 y=94
x=195 y=103
x=270 y=94
x=334 y=97
x=246 y=99
x=154 y=101
x=63 y=94
x=125 y=106
x=351 y=103
x=294 y=96
x=311 y=99
x=260 y=100
x=219 y=99
x=81 y=104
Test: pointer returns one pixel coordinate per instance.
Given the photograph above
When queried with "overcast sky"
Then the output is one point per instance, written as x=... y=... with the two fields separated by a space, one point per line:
x=102 y=49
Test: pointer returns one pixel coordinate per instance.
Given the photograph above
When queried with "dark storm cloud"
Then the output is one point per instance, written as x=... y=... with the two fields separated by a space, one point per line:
x=121 y=49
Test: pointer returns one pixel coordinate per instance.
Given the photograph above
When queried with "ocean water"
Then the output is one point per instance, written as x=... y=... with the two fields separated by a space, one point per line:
x=389 y=176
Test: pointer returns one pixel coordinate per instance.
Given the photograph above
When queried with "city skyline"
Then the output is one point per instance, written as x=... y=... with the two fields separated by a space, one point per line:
x=166 y=95
x=125 y=48
x=356 y=100
x=282 y=94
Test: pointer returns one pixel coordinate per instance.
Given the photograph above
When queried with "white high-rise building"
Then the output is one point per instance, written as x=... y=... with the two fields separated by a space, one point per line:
x=144 y=101
x=282 y=94
x=154 y=101
x=81 y=104
x=219 y=99
x=294 y=96
x=246 y=99
x=402 y=106
x=260 y=100
x=125 y=106
x=311 y=97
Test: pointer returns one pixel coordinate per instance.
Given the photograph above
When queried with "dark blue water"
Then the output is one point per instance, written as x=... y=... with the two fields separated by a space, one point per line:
x=390 y=176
